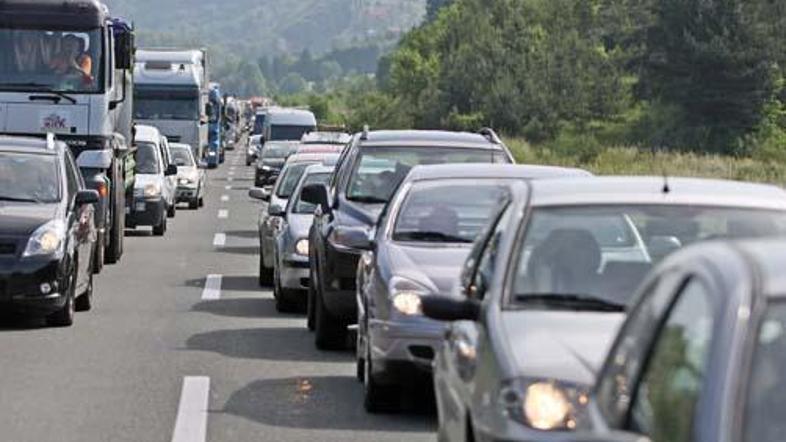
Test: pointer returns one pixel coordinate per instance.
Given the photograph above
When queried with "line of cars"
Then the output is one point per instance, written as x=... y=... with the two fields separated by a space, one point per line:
x=539 y=303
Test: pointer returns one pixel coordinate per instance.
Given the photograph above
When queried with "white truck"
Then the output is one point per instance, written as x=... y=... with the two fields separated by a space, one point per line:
x=66 y=68
x=171 y=94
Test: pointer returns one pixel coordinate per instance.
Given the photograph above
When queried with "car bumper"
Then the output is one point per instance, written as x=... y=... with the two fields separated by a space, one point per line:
x=294 y=274
x=339 y=291
x=186 y=194
x=21 y=282
x=146 y=212
x=409 y=343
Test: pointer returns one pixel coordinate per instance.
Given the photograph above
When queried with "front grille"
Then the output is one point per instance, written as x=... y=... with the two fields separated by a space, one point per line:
x=422 y=352
x=7 y=248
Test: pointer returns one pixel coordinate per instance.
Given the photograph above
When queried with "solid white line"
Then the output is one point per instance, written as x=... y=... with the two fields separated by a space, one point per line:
x=212 y=290
x=191 y=423
x=219 y=240
x=224 y=198
x=223 y=214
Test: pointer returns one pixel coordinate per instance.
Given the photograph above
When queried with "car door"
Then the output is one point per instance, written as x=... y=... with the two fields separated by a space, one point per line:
x=170 y=180
x=81 y=222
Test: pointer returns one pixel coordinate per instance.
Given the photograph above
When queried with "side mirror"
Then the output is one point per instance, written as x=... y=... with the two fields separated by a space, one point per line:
x=316 y=194
x=662 y=246
x=357 y=238
x=450 y=309
x=275 y=210
x=124 y=50
x=259 y=193
x=86 y=197
x=171 y=170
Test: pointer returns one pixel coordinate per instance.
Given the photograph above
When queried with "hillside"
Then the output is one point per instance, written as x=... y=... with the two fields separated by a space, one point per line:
x=254 y=27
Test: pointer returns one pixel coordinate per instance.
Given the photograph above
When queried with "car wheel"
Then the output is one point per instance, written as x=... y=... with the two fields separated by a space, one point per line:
x=193 y=204
x=377 y=398
x=85 y=301
x=115 y=247
x=284 y=301
x=160 y=229
x=265 y=274
x=65 y=316
x=330 y=333
x=171 y=211
x=248 y=163
x=310 y=300
x=201 y=201
x=360 y=359
x=99 y=255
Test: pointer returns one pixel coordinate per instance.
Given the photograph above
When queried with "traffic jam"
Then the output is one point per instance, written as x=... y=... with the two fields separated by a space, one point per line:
x=518 y=302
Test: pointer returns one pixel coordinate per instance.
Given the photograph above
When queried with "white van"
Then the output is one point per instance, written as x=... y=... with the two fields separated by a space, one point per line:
x=282 y=124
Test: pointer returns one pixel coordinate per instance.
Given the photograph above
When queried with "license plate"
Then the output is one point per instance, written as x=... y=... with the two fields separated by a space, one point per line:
x=140 y=207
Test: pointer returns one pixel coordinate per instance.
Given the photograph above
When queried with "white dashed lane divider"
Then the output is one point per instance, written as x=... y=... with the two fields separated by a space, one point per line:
x=212 y=290
x=223 y=214
x=219 y=239
x=228 y=187
x=224 y=198
x=191 y=422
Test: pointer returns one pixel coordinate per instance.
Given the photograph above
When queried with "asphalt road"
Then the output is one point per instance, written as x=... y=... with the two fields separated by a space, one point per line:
x=162 y=358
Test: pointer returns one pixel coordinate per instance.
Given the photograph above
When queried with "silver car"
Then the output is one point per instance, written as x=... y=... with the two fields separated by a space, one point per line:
x=190 y=176
x=253 y=148
x=290 y=269
x=543 y=294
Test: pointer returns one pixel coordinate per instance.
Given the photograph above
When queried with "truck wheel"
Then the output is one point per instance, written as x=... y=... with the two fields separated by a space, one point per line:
x=330 y=332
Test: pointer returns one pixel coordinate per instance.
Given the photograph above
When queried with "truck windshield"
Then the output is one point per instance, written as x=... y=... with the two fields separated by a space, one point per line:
x=157 y=104
x=57 y=61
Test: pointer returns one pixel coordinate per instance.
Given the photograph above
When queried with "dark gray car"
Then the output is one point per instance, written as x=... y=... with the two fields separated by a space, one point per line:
x=543 y=294
x=291 y=276
x=420 y=244
x=702 y=355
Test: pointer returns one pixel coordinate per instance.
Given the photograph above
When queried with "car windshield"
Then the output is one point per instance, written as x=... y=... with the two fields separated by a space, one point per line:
x=29 y=178
x=290 y=178
x=146 y=158
x=288 y=132
x=158 y=104
x=181 y=156
x=278 y=151
x=379 y=171
x=604 y=253
x=259 y=124
x=767 y=389
x=306 y=208
x=50 y=60
x=432 y=213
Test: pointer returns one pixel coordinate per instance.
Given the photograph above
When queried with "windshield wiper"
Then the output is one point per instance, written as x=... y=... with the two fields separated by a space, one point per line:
x=368 y=199
x=17 y=200
x=429 y=236
x=57 y=96
x=571 y=301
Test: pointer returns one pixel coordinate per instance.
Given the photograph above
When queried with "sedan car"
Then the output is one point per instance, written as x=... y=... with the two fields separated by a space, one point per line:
x=290 y=269
x=420 y=245
x=275 y=201
x=190 y=176
x=369 y=171
x=47 y=230
x=543 y=294
x=271 y=160
x=701 y=354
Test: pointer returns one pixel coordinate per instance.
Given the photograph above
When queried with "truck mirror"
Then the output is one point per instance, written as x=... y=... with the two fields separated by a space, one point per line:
x=124 y=50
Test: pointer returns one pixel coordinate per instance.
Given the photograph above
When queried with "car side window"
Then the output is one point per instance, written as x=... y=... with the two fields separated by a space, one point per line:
x=72 y=177
x=486 y=257
x=665 y=400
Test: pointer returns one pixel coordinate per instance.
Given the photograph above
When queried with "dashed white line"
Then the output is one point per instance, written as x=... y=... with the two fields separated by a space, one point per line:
x=191 y=422
x=223 y=214
x=219 y=239
x=228 y=187
x=212 y=290
x=224 y=198
x=229 y=180
x=231 y=172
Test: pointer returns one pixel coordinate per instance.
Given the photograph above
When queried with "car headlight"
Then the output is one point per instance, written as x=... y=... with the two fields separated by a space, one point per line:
x=267 y=168
x=211 y=154
x=408 y=303
x=49 y=239
x=152 y=190
x=544 y=405
x=301 y=247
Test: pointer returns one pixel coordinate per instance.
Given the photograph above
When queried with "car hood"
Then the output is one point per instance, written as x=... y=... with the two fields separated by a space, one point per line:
x=187 y=172
x=142 y=180
x=434 y=265
x=568 y=346
x=299 y=224
x=21 y=219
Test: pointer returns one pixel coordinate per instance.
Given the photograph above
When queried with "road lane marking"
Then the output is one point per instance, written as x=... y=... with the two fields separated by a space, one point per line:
x=224 y=198
x=212 y=290
x=231 y=173
x=223 y=214
x=228 y=187
x=191 y=421
x=220 y=239
x=229 y=180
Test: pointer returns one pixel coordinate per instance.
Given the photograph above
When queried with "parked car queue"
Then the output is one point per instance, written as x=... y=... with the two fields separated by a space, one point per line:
x=539 y=303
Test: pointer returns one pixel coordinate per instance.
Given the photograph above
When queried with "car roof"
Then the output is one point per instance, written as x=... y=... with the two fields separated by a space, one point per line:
x=29 y=145
x=326 y=137
x=652 y=190
x=426 y=138
x=458 y=171
x=146 y=133
x=318 y=168
x=291 y=116
x=180 y=145
x=312 y=157
x=320 y=148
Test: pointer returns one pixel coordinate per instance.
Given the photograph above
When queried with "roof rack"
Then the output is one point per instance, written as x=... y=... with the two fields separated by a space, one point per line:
x=366 y=130
x=50 y=141
x=490 y=135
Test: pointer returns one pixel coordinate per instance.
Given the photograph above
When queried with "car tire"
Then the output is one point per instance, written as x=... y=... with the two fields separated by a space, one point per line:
x=201 y=201
x=360 y=360
x=377 y=398
x=310 y=303
x=99 y=255
x=171 y=211
x=193 y=204
x=283 y=297
x=84 y=302
x=65 y=316
x=115 y=247
x=248 y=163
x=329 y=332
x=265 y=274
x=160 y=229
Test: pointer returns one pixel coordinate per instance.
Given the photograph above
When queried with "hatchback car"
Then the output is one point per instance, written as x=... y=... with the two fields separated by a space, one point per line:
x=190 y=176
x=290 y=269
x=253 y=149
x=271 y=160
x=543 y=294
x=275 y=201
x=701 y=355
x=150 y=202
x=418 y=249
x=47 y=230
x=369 y=171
